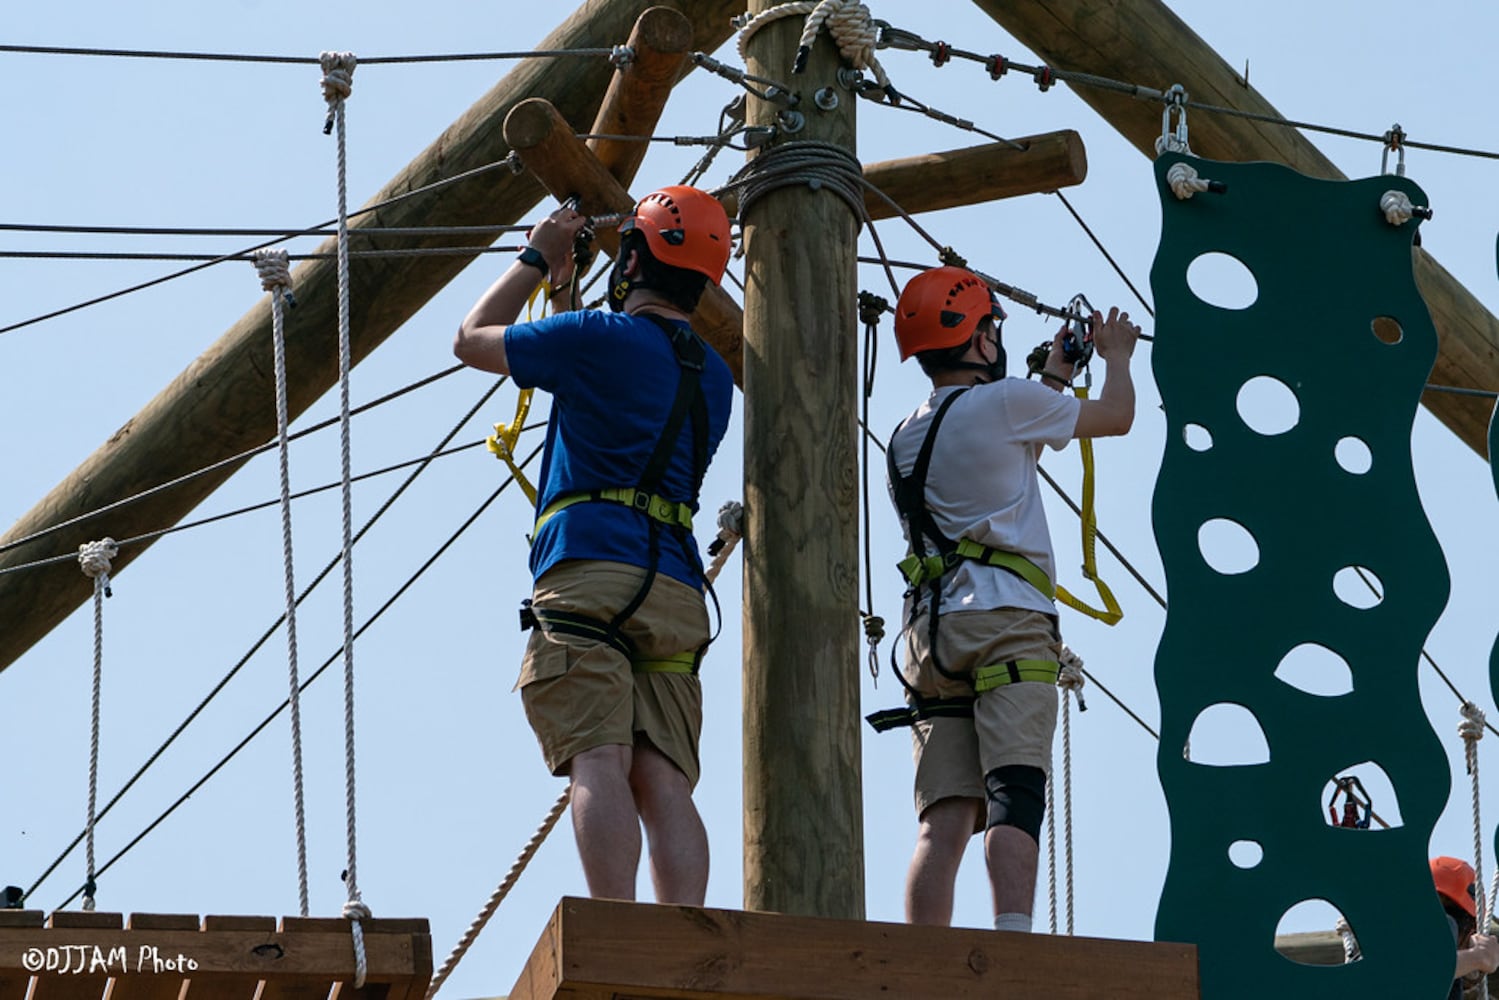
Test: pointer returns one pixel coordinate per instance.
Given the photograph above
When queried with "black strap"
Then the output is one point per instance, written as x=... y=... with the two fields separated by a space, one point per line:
x=919 y=709
x=910 y=500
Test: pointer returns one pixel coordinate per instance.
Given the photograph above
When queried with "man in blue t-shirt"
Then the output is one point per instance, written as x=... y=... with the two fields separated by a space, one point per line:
x=609 y=678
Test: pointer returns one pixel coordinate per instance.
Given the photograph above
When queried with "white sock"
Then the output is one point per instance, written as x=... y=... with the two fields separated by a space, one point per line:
x=1020 y=922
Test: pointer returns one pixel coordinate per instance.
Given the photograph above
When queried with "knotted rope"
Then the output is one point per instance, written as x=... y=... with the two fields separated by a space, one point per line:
x=275 y=277
x=1471 y=731
x=730 y=530
x=501 y=891
x=848 y=21
x=1184 y=181
x=94 y=558
x=1069 y=679
x=338 y=71
x=1351 y=952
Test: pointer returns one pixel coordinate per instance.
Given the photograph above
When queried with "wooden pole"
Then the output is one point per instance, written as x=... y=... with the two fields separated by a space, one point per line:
x=553 y=153
x=637 y=94
x=803 y=814
x=223 y=404
x=1143 y=42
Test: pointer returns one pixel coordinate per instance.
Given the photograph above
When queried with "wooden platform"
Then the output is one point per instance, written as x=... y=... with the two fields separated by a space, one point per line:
x=605 y=950
x=76 y=956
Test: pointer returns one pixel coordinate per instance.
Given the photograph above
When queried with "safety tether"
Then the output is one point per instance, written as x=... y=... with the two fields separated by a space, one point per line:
x=503 y=441
x=338 y=72
x=1089 y=521
x=94 y=558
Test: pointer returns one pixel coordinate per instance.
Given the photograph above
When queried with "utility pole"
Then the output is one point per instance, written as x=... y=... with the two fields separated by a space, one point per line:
x=803 y=805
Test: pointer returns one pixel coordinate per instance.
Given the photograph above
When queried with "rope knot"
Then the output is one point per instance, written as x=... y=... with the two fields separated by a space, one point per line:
x=871 y=308
x=338 y=81
x=354 y=911
x=94 y=558
x=1070 y=675
x=1471 y=728
x=874 y=629
x=274 y=268
x=1185 y=181
x=731 y=518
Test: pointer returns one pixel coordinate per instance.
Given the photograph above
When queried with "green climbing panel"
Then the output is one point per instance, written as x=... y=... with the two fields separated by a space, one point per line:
x=1336 y=322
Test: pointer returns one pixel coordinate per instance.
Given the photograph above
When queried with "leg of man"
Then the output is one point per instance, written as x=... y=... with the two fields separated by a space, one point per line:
x=1011 y=856
x=945 y=828
x=678 y=841
x=605 y=821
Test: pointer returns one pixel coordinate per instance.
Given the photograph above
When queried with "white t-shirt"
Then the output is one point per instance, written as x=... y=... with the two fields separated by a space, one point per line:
x=982 y=483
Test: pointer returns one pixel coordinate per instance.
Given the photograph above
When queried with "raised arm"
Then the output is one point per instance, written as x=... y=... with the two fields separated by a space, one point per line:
x=1113 y=412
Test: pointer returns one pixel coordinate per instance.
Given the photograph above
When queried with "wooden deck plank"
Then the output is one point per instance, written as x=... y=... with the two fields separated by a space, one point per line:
x=222 y=958
x=630 y=950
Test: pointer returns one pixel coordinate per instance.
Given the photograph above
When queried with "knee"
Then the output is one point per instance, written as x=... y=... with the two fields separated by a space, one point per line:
x=606 y=764
x=1017 y=797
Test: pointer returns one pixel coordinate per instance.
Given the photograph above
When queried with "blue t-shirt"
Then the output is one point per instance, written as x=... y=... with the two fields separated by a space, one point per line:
x=613 y=378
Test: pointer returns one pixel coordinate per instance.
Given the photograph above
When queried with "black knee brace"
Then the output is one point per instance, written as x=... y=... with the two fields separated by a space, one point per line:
x=1017 y=797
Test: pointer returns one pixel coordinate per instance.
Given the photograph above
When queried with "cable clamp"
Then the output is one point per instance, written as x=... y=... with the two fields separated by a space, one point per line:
x=997 y=65
x=1045 y=77
x=621 y=56
x=941 y=53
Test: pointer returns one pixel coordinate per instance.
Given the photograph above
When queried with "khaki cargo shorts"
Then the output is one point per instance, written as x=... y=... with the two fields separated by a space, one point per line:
x=580 y=693
x=1011 y=724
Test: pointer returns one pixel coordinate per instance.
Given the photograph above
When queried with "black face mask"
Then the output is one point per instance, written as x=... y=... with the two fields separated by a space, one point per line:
x=994 y=371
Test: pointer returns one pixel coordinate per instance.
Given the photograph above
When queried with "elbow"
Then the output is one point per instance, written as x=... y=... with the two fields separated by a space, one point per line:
x=463 y=344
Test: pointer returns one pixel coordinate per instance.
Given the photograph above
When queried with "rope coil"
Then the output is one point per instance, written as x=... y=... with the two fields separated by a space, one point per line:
x=95 y=560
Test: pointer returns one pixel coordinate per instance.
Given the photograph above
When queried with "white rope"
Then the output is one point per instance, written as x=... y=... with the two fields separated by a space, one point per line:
x=1184 y=181
x=1351 y=952
x=1471 y=730
x=1051 y=852
x=1397 y=207
x=501 y=891
x=848 y=21
x=94 y=558
x=730 y=530
x=275 y=277
x=1069 y=679
x=338 y=72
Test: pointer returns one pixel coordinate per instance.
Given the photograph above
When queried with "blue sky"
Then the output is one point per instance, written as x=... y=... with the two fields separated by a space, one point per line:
x=451 y=784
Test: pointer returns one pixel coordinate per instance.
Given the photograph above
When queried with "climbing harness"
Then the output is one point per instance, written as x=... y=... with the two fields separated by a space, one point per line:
x=1351 y=819
x=94 y=558
x=644 y=498
x=275 y=277
x=923 y=570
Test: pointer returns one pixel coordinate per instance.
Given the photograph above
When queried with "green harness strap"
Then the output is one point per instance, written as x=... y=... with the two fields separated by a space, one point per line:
x=669 y=512
x=1013 y=672
x=918 y=570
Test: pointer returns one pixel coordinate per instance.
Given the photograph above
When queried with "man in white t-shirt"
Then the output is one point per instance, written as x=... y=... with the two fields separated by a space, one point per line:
x=981 y=629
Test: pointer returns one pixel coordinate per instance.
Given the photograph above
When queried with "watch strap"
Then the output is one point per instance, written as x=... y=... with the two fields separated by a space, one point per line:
x=534 y=258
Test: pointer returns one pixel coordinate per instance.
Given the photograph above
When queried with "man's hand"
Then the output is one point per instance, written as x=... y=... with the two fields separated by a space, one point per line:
x=553 y=239
x=1481 y=955
x=1116 y=336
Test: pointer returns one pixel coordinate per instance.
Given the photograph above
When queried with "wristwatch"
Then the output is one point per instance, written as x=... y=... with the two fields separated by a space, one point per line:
x=533 y=257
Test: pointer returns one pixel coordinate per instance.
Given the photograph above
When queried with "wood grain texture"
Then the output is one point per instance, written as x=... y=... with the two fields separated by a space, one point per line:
x=1143 y=41
x=803 y=816
x=223 y=403
x=605 y=948
x=637 y=94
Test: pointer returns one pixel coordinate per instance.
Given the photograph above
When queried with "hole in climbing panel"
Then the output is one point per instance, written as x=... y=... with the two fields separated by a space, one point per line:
x=1358 y=587
x=1354 y=455
x=1361 y=797
x=1227 y=546
x=1315 y=669
x=1387 y=329
x=1267 y=405
x=1228 y=735
x=1246 y=854
x=1222 y=280
x=1305 y=917
x=1197 y=437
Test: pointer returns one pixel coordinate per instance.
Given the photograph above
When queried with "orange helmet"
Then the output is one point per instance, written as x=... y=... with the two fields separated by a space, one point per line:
x=684 y=227
x=941 y=308
x=1455 y=880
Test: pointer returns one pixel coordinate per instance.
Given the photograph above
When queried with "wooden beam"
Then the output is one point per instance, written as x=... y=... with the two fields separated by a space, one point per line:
x=604 y=948
x=803 y=815
x=637 y=94
x=223 y=404
x=550 y=151
x=227 y=959
x=1143 y=42
x=970 y=176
